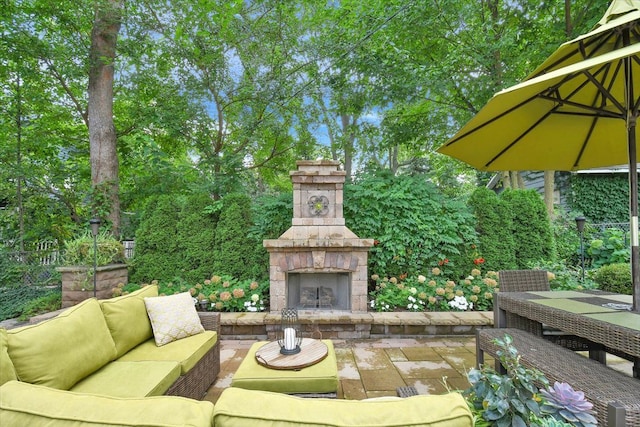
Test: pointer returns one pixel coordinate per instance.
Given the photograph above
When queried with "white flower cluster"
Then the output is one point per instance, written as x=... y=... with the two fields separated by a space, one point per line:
x=415 y=304
x=382 y=306
x=460 y=303
x=256 y=304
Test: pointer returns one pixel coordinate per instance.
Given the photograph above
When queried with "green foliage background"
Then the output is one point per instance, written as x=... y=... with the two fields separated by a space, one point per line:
x=196 y=227
x=156 y=254
x=532 y=233
x=494 y=224
x=602 y=198
x=615 y=278
x=414 y=224
x=238 y=253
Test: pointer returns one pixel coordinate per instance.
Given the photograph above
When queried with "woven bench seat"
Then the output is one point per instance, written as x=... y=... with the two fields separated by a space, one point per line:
x=615 y=396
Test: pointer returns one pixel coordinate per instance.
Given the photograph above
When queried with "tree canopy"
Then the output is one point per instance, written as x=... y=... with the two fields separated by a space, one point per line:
x=221 y=97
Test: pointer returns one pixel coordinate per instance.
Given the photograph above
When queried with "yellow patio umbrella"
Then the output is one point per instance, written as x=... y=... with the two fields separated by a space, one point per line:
x=578 y=110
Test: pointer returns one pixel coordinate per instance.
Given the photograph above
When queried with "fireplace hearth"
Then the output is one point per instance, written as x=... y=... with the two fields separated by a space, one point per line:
x=318 y=263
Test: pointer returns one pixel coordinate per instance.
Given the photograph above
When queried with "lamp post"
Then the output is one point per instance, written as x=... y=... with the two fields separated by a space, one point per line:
x=580 y=220
x=95 y=227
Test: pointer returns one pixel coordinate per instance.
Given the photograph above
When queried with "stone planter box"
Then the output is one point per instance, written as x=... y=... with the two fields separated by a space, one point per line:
x=77 y=282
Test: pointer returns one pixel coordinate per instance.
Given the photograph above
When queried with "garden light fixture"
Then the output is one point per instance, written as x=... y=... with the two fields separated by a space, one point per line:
x=580 y=220
x=95 y=227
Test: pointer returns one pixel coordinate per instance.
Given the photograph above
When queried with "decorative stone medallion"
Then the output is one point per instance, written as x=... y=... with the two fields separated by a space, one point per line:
x=318 y=205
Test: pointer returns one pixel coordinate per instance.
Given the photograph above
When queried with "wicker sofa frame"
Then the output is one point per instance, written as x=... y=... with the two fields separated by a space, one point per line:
x=615 y=396
x=195 y=383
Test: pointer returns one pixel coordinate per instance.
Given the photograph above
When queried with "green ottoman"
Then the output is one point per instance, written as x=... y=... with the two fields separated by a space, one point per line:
x=318 y=380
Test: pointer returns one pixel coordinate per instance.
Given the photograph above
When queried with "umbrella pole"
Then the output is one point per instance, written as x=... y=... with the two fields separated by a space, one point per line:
x=633 y=225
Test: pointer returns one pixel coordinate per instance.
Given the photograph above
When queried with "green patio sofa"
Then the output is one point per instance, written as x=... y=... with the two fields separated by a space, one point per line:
x=23 y=404
x=97 y=364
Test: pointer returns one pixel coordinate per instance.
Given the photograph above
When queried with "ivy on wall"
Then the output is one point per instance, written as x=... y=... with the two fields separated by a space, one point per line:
x=601 y=197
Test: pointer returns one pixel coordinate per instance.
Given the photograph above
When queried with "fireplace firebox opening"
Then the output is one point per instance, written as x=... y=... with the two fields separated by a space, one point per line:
x=319 y=291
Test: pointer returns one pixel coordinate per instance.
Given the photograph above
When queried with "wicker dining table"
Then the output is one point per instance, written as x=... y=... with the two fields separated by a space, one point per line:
x=600 y=317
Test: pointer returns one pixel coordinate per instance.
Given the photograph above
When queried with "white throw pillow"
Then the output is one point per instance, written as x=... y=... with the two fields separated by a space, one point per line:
x=173 y=317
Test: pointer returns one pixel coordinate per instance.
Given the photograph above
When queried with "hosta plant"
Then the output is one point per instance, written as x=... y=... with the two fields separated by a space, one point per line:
x=563 y=403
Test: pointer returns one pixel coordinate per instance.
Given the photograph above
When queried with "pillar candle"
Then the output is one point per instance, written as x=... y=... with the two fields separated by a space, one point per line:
x=289 y=338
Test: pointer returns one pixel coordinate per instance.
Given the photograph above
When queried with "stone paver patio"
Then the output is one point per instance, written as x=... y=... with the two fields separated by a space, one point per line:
x=375 y=368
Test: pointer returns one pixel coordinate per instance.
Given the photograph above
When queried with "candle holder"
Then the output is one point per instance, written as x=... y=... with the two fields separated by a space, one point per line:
x=289 y=336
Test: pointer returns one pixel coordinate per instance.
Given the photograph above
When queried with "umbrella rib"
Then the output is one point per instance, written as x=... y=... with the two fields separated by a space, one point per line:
x=581 y=49
x=522 y=135
x=493 y=119
x=583 y=146
x=602 y=91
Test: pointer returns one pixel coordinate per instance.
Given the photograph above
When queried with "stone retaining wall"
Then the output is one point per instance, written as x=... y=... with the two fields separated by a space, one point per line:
x=358 y=326
x=77 y=282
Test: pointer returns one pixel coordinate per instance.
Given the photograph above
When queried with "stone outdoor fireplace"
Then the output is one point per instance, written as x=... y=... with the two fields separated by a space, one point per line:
x=318 y=264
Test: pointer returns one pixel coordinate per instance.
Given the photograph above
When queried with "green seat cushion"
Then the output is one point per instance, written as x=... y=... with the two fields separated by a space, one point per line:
x=130 y=379
x=31 y=405
x=321 y=377
x=7 y=371
x=281 y=410
x=127 y=318
x=61 y=351
x=186 y=351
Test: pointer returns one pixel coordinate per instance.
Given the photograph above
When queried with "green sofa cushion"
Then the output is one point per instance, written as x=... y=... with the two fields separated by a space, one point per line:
x=34 y=406
x=7 y=371
x=130 y=379
x=127 y=318
x=61 y=351
x=321 y=377
x=186 y=351
x=281 y=410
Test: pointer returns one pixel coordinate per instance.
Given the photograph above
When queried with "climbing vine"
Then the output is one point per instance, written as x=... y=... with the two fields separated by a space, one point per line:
x=601 y=198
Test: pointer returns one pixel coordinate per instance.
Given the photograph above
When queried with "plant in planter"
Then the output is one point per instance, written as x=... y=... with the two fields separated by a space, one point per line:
x=514 y=399
x=77 y=269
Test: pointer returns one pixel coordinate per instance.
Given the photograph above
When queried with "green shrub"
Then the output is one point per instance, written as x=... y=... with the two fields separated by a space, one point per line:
x=611 y=248
x=566 y=236
x=50 y=301
x=531 y=227
x=13 y=300
x=565 y=277
x=272 y=216
x=493 y=225
x=614 y=278
x=79 y=251
x=196 y=228
x=157 y=246
x=237 y=253
x=413 y=224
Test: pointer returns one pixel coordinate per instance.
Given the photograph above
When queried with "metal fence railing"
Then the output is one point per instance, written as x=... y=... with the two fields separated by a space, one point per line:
x=38 y=266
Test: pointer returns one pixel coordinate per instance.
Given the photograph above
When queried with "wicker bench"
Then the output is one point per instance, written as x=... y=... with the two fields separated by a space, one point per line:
x=615 y=396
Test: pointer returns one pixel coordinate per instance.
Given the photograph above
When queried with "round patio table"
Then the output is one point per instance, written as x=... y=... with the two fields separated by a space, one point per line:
x=311 y=352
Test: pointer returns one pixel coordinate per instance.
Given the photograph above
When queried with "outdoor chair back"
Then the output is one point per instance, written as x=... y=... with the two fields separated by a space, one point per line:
x=531 y=281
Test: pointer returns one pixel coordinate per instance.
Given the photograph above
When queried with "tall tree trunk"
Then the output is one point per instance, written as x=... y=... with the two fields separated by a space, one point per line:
x=19 y=163
x=549 y=187
x=506 y=180
x=102 y=133
x=348 y=138
x=514 y=179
